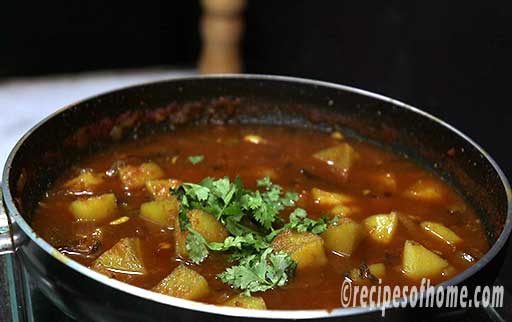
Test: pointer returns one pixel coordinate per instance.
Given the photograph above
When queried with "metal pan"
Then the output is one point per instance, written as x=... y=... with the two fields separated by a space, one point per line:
x=84 y=127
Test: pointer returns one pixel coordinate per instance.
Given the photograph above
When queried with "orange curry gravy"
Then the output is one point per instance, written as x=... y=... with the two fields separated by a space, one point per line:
x=285 y=154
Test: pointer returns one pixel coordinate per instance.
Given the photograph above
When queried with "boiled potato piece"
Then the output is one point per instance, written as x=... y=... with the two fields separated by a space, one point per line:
x=180 y=239
x=342 y=210
x=136 y=176
x=202 y=222
x=344 y=237
x=207 y=225
x=184 y=283
x=340 y=157
x=419 y=262
x=441 y=231
x=85 y=181
x=160 y=189
x=94 y=208
x=381 y=228
x=124 y=257
x=306 y=249
x=246 y=302
x=161 y=212
x=326 y=198
x=425 y=190
x=377 y=270
x=360 y=275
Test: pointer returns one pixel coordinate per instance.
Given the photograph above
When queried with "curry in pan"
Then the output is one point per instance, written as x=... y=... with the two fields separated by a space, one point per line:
x=261 y=217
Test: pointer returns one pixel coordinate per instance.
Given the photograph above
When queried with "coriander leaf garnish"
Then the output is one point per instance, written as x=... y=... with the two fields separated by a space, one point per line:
x=196 y=246
x=265 y=182
x=259 y=273
x=231 y=203
x=195 y=159
x=252 y=219
x=300 y=222
x=249 y=240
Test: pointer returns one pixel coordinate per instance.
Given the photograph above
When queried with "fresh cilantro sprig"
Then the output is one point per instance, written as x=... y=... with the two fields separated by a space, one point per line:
x=259 y=273
x=196 y=246
x=231 y=203
x=251 y=217
x=299 y=221
x=239 y=246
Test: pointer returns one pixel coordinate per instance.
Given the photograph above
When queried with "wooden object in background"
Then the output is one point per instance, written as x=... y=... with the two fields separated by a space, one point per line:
x=221 y=30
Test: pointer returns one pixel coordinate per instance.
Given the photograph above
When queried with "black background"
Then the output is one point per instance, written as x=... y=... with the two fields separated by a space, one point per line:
x=451 y=58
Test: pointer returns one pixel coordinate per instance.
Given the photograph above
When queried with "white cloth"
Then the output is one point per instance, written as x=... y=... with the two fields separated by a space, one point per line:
x=26 y=101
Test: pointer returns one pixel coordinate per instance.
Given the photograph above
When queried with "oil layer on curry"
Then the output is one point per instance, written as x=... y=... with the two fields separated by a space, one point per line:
x=260 y=217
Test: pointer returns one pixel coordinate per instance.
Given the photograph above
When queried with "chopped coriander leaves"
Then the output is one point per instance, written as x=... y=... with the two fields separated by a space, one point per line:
x=195 y=159
x=196 y=246
x=260 y=272
x=251 y=218
x=300 y=222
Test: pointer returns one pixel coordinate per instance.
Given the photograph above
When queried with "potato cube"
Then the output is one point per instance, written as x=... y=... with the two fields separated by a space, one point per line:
x=160 y=189
x=94 y=208
x=377 y=270
x=381 y=228
x=184 y=283
x=340 y=157
x=441 y=231
x=136 y=176
x=306 y=249
x=344 y=237
x=367 y=273
x=342 y=210
x=419 y=262
x=207 y=225
x=246 y=302
x=123 y=258
x=326 y=198
x=425 y=190
x=180 y=239
x=85 y=181
x=161 y=212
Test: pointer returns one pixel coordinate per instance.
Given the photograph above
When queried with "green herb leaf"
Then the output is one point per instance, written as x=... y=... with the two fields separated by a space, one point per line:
x=259 y=273
x=300 y=222
x=249 y=240
x=265 y=182
x=196 y=246
x=250 y=217
x=195 y=159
